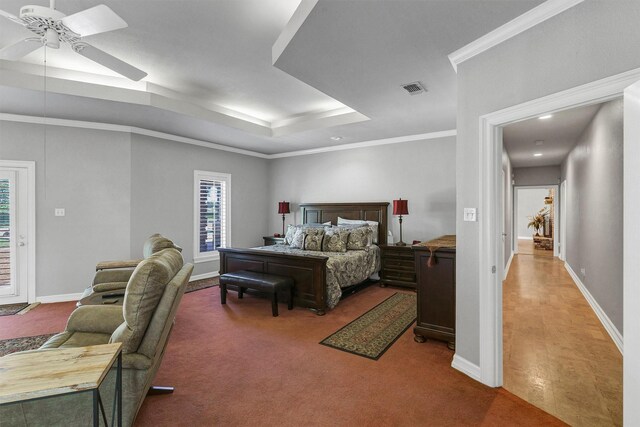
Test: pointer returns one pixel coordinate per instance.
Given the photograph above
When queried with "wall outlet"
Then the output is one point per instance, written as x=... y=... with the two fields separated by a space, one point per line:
x=470 y=214
x=59 y=212
x=583 y=271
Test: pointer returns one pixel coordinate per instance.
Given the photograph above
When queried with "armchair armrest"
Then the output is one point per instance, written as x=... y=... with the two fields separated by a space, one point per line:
x=110 y=286
x=108 y=265
x=112 y=276
x=103 y=319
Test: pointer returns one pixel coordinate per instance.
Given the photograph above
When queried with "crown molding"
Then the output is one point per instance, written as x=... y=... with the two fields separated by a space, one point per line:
x=535 y=16
x=200 y=143
x=371 y=143
x=126 y=129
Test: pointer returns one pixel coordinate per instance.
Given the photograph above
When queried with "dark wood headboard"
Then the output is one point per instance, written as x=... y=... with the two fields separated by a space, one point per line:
x=323 y=212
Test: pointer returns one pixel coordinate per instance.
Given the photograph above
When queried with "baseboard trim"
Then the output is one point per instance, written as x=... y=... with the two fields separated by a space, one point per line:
x=608 y=325
x=508 y=266
x=463 y=365
x=48 y=299
x=204 y=276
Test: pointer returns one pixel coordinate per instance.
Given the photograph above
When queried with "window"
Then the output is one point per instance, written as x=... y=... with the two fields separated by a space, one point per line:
x=211 y=214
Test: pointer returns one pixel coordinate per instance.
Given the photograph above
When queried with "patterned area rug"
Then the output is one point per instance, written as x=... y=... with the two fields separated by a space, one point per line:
x=13 y=345
x=196 y=285
x=371 y=334
x=9 y=309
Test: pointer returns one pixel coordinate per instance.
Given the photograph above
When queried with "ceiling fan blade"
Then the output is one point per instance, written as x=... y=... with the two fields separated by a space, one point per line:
x=12 y=17
x=98 y=19
x=109 y=61
x=20 y=49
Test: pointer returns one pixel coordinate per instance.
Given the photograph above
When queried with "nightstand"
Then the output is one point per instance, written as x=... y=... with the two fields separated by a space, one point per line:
x=270 y=240
x=398 y=266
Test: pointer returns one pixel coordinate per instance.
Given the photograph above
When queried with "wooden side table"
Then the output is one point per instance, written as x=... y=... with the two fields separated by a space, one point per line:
x=36 y=375
x=271 y=240
x=398 y=266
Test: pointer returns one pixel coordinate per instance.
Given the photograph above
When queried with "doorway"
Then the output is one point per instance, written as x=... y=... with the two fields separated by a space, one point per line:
x=17 y=232
x=536 y=225
x=491 y=347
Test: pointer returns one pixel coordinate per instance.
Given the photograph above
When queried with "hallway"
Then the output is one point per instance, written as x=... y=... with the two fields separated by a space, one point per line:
x=557 y=355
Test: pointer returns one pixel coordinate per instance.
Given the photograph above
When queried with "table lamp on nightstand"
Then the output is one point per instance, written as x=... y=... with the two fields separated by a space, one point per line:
x=283 y=208
x=400 y=207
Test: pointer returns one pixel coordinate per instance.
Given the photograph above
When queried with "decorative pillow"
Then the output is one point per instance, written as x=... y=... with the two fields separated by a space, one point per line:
x=316 y=224
x=359 y=238
x=372 y=224
x=313 y=239
x=335 y=239
x=297 y=241
x=291 y=231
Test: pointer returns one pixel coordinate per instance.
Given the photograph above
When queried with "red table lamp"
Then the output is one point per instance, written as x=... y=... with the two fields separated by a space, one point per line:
x=400 y=207
x=283 y=208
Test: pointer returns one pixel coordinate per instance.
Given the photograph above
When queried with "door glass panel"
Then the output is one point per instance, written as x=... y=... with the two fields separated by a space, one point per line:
x=5 y=232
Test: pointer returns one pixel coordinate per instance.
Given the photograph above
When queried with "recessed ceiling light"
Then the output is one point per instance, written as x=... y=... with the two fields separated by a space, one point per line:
x=545 y=117
x=336 y=138
x=537 y=155
x=539 y=142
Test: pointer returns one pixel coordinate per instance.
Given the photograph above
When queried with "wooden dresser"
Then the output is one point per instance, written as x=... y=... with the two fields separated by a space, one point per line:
x=398 y=266
x=436 y=283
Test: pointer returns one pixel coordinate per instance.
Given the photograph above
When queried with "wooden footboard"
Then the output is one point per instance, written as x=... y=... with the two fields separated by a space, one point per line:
x=308 y=272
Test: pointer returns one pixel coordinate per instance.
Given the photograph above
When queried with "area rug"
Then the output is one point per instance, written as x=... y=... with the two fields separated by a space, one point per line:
x=371 y=334
x=9 y=309
x=13 y=345
x=196 y=285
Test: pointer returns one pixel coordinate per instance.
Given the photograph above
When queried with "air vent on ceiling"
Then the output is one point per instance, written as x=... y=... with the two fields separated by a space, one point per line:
x=414 y=88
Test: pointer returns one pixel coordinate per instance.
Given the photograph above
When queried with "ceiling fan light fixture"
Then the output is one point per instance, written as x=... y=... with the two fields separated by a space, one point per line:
x=51 y=39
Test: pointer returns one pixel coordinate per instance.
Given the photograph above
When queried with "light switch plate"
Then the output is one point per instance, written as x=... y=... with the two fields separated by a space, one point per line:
x=470 y=214
x=59 y=212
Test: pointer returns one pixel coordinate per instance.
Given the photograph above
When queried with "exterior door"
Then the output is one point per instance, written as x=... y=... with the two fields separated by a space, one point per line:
x=16 y=217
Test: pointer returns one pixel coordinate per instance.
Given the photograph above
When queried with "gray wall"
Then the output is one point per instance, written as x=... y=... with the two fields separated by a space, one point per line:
x=542 y=175
x=162 y=193
x=87 y=172
x=117 y=189
x=530 y=201
x=593 y=170
x=590 y=41
x=419 y=171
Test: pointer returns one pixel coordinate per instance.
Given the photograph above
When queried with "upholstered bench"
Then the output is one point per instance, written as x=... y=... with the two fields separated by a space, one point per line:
x=262 y=282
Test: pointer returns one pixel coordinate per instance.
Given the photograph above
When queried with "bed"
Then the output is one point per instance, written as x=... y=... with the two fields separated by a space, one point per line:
x=314 y=287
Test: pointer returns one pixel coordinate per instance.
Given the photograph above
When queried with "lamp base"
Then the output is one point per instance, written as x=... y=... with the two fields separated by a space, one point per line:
x=401 y=243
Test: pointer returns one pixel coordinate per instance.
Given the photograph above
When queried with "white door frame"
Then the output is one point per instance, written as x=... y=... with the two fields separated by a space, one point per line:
x=631 y=254
x=29 y=189
x=556 y=224
x=563 y=221
x=490 y=216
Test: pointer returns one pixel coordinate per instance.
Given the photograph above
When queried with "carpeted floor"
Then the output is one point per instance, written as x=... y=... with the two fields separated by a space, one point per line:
x=371 y=334
x=236 y=365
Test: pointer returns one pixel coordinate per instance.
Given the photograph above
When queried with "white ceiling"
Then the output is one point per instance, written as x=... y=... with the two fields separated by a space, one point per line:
x=211 y=75
x=559 y=134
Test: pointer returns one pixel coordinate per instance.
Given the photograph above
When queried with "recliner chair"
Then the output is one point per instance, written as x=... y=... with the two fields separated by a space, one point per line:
x=142 y=324
x=112 y=276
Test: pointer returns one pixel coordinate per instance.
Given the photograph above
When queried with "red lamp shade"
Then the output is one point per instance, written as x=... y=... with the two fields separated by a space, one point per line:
x=400 y=207
x=283 y=207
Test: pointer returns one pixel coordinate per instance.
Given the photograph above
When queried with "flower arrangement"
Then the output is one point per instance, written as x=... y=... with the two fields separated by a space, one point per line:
x=537 y=221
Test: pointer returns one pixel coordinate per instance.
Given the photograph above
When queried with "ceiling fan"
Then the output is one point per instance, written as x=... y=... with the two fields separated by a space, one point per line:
x=53 y=27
